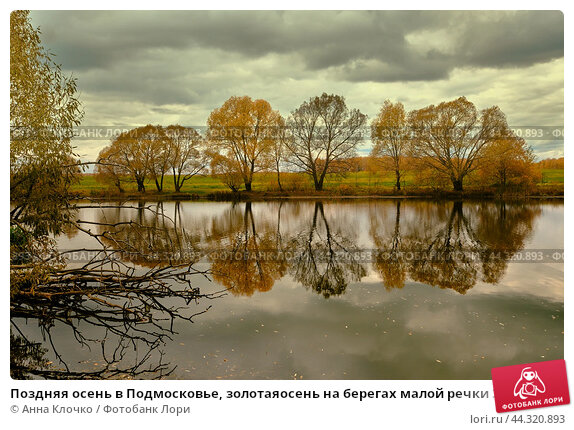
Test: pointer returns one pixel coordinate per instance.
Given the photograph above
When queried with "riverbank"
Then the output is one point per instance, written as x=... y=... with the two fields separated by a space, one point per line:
x=297 y=186
x=547 y=192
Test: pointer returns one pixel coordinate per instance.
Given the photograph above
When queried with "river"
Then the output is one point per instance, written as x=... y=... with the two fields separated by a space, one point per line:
x=357 y=289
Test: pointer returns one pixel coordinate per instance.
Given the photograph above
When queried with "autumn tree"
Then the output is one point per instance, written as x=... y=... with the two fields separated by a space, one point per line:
x=136 y=152
x=226 y=169
x=244 y=130
x=552 y=163
x=324 y=133
x=106 y=171
x=390 y=135
x=44 y=110
x=131 y=306
x=186 y=158
x=509 y=161
x=453 y=136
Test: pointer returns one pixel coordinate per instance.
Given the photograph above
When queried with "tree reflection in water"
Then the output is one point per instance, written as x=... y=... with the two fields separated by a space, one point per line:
x=388 y=260
x=244 y=260
x=249 y=255
x=321 y=261
x=448 y=244
x=153 y=237
x=139 y=282
x=465 y=246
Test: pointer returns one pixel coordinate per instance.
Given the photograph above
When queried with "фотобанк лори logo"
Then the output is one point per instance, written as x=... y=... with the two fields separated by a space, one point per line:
x=528 y=386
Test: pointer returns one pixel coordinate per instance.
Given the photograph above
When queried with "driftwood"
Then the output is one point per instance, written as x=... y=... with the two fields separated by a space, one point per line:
x=133 y=306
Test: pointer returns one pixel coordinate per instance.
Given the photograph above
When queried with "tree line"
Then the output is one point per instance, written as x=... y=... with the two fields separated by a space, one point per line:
x=552 y=163
x=450 y=141
x=152 y=152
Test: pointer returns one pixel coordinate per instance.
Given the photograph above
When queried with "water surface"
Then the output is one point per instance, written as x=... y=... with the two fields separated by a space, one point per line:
x=380 y=289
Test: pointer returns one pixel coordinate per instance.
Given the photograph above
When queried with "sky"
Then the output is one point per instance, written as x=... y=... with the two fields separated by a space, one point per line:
x=174 y=67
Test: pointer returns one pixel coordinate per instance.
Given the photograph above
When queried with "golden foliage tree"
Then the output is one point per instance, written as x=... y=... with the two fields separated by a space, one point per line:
x=390 y=136
x=138 y=153
x=226 y=169
x=552 y=163
x=452 y=137
x=244 y=131
x=44 y=110
x=509 y=161
x=107 y=171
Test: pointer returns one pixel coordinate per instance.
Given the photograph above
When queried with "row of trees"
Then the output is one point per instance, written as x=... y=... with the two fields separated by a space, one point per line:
x=245 y=136
x=453 y=139
x=552 y=163
x=152 y=152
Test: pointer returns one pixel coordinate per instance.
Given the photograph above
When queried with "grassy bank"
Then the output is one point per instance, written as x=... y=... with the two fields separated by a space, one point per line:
x=296 y=185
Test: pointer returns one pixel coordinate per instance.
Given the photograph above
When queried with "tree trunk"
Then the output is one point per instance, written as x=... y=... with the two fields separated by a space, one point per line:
x=398 y=184
x=457 y=184
x=250 y=180
x=319 y=183
x=158 y=185
x=177 y=183
x=119 y=185
x=279 y=180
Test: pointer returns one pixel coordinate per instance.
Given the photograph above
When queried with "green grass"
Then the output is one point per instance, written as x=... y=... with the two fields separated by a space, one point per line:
x=360 y=183
x=200 y=185
x=552 y=176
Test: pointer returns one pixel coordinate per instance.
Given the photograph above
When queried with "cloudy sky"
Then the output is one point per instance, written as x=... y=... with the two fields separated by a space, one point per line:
x=140 y=67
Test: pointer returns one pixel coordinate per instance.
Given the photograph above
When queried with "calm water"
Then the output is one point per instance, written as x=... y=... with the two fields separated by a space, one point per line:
x=381 y=289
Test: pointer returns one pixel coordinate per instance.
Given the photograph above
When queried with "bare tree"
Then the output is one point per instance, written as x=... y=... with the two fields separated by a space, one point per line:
x=155 y=138
x=186 y=158
x=324 y=132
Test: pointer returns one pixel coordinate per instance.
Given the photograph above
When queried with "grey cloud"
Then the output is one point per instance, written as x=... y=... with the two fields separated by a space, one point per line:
x=323 y=39
x=146 y=67
x=513 y=39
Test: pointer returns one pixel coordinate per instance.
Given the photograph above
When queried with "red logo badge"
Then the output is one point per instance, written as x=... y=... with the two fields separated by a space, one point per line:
x=528 y=386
